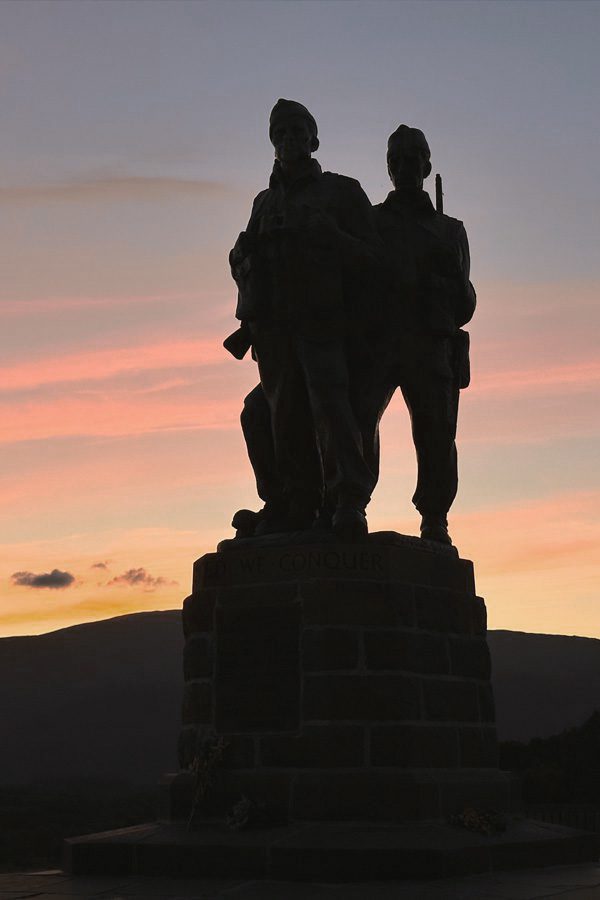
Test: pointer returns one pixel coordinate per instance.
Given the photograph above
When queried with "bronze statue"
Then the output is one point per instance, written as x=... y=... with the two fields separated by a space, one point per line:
x=408 y=334
x=421 y=347
x=298 y=266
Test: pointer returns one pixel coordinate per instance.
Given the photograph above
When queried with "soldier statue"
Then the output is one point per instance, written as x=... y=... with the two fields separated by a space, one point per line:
x=421 y=346
x=409 y=335
x=299 y=265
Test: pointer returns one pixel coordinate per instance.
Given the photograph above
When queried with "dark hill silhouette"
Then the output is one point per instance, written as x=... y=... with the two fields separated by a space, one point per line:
x=102 y=700
x=543 y=683
x=98 y=700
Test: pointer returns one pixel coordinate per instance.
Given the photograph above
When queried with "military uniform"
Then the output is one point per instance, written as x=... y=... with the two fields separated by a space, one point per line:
x=298 y=286
x=426 y=298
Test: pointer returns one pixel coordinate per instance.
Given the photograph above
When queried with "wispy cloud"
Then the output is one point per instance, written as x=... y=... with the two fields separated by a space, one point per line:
x=115 y=188
x=114 y=416
x=140 y=578
x=93 y=365
x=43 y=305
x=581 y=376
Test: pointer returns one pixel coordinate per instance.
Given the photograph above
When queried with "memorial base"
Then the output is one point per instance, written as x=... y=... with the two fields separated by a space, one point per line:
x=344 y=682
x=338 y=704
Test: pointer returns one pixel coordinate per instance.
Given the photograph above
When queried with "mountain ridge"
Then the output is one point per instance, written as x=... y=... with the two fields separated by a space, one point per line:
x=102 y=699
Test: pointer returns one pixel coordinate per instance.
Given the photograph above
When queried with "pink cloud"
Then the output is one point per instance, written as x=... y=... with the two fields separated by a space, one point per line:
x=53 y=305
x=105 y=415
x=102 y=364
x=581 y=376
x=543 y=533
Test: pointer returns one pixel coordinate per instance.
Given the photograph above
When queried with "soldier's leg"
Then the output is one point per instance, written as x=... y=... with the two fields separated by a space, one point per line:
x=255 y=419
x=432 y=401
x=297 y=458
x=349 y=480
x=370 y=396
x=256 y=428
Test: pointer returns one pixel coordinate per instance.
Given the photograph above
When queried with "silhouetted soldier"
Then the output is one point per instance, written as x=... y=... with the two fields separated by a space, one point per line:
x=421 y=348
x=307 y=246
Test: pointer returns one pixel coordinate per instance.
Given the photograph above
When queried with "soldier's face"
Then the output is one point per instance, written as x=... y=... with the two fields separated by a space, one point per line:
x=292 y=139
x=407 y=167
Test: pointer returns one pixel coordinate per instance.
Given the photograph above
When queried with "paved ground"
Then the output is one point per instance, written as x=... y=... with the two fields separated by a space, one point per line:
x=577 y=882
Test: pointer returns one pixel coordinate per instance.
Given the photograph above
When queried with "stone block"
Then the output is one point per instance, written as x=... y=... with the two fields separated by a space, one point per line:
x=331 y=746
x=197 y=703
x=198 y=610
x=414 y=746
x=257 y=681
x=364 y=795
x=478 y=747
x=450 y=700
x=361 y=697
x=487 y=708
x=357 y=603
x=329 y=648
x=257 y=703
x=263 y=597
x=479 y=617
x=436 y=570
x=408 y=650
x=444 y=611
x=271 y=649
x=470 y=656
x=197 y=657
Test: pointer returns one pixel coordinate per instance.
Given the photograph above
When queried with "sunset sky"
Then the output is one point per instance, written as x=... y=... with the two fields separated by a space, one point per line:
x=134 y=138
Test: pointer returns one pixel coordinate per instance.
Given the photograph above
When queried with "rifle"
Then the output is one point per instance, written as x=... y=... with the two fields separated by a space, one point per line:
x=439 y=194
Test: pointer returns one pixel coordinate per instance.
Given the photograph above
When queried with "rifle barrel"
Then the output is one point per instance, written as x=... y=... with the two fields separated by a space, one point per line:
x=439 y=194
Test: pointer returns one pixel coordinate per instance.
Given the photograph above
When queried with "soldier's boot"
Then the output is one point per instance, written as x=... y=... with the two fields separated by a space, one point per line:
x=298 y=515
x=349 y=523
x=434 y=527
x=245 y=522
x=249 y=523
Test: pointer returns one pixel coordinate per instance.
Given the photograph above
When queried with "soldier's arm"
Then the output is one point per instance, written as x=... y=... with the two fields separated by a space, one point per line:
x=240 y=260
x=239 y=255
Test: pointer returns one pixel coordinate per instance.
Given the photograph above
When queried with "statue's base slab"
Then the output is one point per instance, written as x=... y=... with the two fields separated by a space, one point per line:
x=326 y=852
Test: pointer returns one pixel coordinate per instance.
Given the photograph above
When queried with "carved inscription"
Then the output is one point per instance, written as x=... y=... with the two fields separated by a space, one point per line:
x=290 y=564
x=334 y=560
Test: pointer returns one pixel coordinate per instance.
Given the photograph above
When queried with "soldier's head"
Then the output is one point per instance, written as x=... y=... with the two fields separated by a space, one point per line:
x=293 y=131
x=408 y=157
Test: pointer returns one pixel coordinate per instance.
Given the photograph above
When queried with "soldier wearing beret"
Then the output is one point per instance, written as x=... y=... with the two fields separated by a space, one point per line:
x=421 y=346
x=299 y=266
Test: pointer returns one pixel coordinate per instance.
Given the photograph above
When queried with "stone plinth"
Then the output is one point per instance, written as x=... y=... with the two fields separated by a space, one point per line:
x=349 y=682
x=351 y=685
